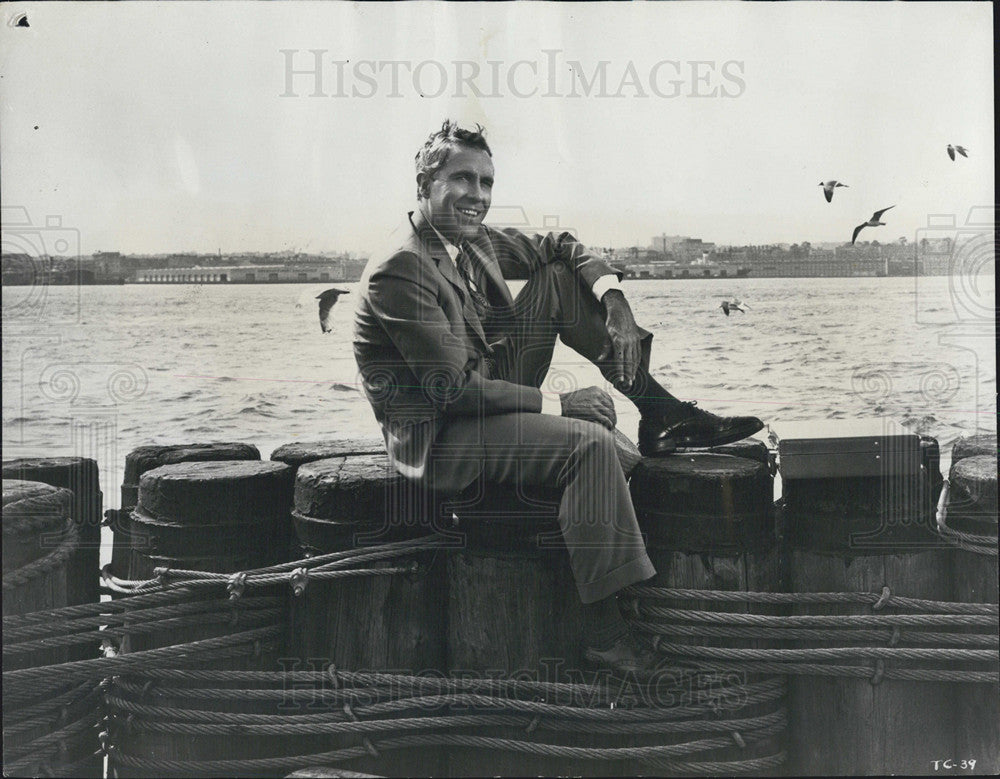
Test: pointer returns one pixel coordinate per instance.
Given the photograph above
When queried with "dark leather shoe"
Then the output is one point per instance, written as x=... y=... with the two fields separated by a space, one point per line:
x=625 y=656
x=690 y=426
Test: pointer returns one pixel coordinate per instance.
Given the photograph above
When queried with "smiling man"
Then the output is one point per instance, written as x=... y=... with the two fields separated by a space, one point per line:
x=451 y=364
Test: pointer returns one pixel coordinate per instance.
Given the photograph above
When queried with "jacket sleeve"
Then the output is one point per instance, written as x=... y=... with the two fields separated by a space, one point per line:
x=403 y=296
x=519 y=253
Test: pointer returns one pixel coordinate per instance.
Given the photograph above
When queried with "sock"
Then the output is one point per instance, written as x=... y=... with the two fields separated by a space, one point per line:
x=603 y=623
x=649 y=397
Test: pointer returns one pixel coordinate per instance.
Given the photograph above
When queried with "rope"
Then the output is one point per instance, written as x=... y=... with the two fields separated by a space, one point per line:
x=440 y=739
x=828 y=653
x=656 y=716
x=747 y=726
x=791 y=634
x=825 y=620
x=483 y=702
x=77 y=693
x=590 y=694
x=43 y=565
x=24 y=683
x=870 y=598
x=970 y=542
x=34 y=630
x=248 y=618
x=856 y=671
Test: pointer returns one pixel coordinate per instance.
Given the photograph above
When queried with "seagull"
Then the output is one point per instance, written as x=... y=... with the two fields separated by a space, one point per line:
x=732 y=305
x=829 y=186
x=873 y=222
x=960 y=149
x=326 y=300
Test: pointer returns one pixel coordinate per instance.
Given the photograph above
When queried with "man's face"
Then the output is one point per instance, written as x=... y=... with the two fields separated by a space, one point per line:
x=459 y=194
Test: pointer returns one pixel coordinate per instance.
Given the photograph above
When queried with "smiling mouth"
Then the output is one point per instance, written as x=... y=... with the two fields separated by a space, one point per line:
x=469 y=213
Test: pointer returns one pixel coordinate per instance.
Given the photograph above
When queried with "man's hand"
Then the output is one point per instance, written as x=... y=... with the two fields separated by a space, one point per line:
x=591 y=404
x=625 y=339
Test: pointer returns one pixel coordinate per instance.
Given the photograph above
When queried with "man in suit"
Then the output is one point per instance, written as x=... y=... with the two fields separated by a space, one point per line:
x=451 y=364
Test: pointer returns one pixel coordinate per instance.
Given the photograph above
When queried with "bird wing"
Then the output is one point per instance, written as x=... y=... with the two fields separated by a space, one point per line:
x=325 y=307
x=725 y=308
x=961 y=150
x=951 y=152
x=828 y=193
x=857 y=230
x=878 y=214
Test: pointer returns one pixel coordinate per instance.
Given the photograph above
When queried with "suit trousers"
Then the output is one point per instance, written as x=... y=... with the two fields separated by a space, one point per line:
x=596 y=516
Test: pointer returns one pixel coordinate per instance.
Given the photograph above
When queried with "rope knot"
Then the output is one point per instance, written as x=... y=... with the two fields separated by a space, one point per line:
x=108 y=648
x=236 y=585
x=879 y=672
x=883 y=599
x=299 y=579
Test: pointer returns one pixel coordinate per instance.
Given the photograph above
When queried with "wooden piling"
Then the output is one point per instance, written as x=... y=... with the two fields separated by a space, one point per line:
x=221 y=517
x=709 y=523
x=973 y=510
x=146 y=458
x=55 y=735
x=862 y=534
x=79 y=475
x=393 y=623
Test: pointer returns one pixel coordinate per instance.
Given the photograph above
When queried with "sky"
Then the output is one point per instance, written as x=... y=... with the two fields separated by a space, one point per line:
x=163 y=127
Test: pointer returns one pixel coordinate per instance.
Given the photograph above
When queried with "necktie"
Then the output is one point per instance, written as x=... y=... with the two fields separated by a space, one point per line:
x=479 y=300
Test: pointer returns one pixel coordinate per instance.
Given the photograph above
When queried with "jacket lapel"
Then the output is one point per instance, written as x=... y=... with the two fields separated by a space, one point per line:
x=431 y=245
x=482 y=248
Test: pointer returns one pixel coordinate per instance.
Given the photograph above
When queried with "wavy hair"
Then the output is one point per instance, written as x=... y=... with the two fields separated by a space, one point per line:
x=433 y=155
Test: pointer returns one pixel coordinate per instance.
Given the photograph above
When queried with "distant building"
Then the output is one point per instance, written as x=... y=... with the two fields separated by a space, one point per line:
x=247 y=274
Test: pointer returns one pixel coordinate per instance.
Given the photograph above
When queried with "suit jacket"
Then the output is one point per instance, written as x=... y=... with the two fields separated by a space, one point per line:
x=422 y=350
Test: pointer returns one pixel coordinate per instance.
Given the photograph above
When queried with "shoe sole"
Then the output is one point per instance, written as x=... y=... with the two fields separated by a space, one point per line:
x=671 y=445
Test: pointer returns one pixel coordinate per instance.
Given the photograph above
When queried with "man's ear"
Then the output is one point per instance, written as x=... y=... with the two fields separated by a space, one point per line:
x=423 y=182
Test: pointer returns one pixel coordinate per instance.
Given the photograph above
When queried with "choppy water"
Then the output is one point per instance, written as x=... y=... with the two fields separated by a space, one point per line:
x=96 y=371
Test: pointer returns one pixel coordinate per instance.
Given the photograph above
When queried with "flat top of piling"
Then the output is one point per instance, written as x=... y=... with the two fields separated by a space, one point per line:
x=345 y=467
x=20 y=489
x=21 y=464
x=145 y=458
x=300 y=452
x=216 y=470
x=707 y=464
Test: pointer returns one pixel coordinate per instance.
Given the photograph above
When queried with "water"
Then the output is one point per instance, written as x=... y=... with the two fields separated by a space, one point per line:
x=97 y=371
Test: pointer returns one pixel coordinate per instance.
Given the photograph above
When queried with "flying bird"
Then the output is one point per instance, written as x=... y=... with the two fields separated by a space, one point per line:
x=732 y=305
x=829 y=186
x=326 y=300
x=873 y=222
x=960 y=149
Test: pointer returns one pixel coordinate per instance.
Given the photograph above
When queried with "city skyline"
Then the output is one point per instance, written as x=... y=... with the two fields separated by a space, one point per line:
x=600 y=122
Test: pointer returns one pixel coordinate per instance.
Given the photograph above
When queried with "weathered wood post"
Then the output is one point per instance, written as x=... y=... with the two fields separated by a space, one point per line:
x=972 y=528
x=79 y=475
x=709 y=523
x=220 y=517
x=55 y=735
x=392 y=623
x=145 y=458
x=859 y=502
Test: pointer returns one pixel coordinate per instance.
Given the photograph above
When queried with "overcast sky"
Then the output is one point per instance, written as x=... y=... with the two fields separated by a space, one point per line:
x=169 y=126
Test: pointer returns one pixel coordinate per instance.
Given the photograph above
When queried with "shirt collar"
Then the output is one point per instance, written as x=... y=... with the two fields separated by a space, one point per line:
x=453 y=251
